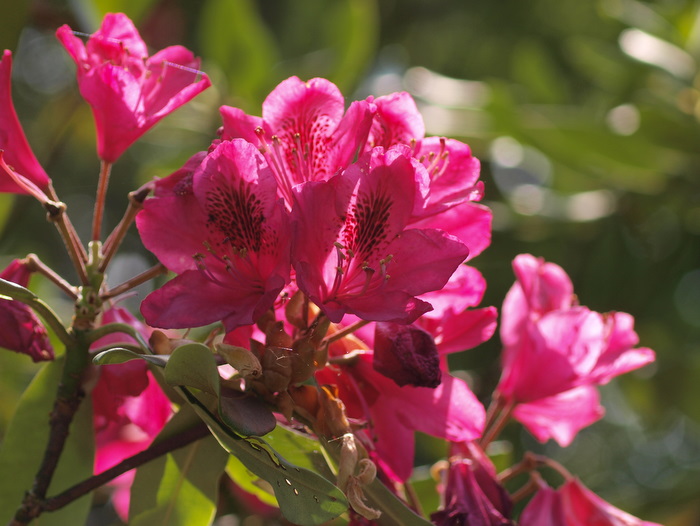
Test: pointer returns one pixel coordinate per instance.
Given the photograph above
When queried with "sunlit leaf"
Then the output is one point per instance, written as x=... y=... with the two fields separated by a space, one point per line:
x=193 y=365
x=180 y=488
x=305 y=498
x=22 y=450
x=120 y=355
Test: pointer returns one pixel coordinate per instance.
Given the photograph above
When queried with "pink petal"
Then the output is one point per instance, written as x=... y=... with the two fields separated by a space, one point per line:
x=562 y=416
x=397 y=121
x=17 y=152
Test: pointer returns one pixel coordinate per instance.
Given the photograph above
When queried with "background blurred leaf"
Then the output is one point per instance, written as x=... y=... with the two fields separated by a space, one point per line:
x=234 y=36
x=180 y=488
x=22 y=450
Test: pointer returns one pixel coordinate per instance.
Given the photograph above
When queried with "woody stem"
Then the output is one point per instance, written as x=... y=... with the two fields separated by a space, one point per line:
x=145 y=276
x=36 y=265
x=497 y=419
x=105 y=170
x=136 y=199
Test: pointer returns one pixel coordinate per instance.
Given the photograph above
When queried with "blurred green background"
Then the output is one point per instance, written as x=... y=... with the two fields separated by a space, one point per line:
x=584 y=115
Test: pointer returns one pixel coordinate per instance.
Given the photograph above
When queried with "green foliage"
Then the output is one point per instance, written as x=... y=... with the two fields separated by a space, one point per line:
x=180 y=488
x=24 y=443
x=304 y=497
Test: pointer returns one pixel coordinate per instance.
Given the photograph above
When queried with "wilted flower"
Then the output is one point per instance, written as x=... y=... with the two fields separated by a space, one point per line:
x=471 y=493
x=128 y=90
x=20 y=329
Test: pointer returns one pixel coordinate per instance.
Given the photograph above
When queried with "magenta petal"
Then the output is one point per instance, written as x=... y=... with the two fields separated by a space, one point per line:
x=546 y=286
x=562 y=416
x=397 y=121
x=192 y=300
x=238 y=124
x=171 y=228
x=17 y=152
x=468 y=222
x=453 y=172
x=545 y=509
x=427 y=259
x=619 y=356
x=461 y=331
x=582 y=506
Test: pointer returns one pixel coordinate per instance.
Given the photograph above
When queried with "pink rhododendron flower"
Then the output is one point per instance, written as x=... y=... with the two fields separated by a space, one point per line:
x=20 y=329
x=129 y=410
x=222 y=228
x=352 y=250
x=129 y=91
x=555 y=351
x=304 y=132
x=575 y=505
x=14 y=148
x=472 y=494
x=453 y=171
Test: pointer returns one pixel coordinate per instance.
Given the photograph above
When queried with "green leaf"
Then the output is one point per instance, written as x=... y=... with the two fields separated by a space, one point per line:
x=394 y=511
x=193 y=365
x=304 y=497
x=26 y=438
x=250 y=482
x=301 y=450
x=17 y=292
x=180 y=488
x=120 y=355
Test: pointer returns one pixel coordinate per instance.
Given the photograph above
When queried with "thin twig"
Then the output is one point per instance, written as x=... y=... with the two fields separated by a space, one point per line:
x=145 y=276
x=75 y=238
x=342 y=333
x=154 y=451
x=36 y=265
x=105 y=170
x=114 y=240
x=56 y=214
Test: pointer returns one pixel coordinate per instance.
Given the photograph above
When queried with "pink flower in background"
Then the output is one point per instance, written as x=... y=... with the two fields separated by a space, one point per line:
x=352 y=250
x=129 y=91
x=305 y=132
x=556 y=352
x=223 y=229
x=129 y=409
x=574 y=505
x=14 y=148
x=20 y=329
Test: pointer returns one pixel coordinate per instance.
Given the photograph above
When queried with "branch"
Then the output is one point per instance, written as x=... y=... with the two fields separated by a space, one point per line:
x=154 y=451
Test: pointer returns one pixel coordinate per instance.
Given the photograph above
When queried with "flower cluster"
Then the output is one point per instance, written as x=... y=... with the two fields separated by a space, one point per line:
x=328 y=248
